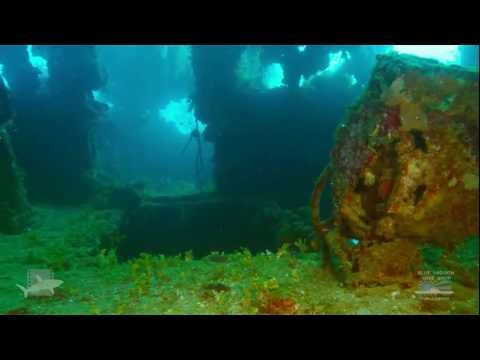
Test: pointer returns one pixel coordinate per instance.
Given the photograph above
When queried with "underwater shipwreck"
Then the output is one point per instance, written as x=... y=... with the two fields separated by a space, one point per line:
x=321 y=196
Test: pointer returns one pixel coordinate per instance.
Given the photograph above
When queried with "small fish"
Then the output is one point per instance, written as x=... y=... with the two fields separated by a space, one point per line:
x=353 y=242
x=41 y=287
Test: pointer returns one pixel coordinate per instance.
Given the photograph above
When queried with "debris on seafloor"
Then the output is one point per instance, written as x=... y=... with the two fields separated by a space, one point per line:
x=404 y=171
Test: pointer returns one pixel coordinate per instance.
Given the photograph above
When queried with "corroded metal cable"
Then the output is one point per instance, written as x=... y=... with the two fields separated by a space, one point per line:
x=321 y=228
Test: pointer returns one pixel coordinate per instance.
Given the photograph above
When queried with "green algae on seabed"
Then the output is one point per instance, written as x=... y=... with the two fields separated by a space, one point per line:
x=287 y=281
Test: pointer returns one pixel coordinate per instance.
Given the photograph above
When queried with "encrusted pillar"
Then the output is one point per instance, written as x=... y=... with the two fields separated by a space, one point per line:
x=54 y=127
x=14 y=208
x=405 y=169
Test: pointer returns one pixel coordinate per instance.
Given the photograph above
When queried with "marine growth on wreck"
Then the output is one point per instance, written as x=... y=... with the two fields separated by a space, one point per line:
x=405 y=170
x=235 y=179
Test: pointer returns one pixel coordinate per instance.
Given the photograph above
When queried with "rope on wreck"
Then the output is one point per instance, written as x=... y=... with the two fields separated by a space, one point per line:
x=321 y=227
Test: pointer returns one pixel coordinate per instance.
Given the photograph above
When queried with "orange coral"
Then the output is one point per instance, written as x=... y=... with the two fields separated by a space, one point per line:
x=384 y=188
x=279 y=306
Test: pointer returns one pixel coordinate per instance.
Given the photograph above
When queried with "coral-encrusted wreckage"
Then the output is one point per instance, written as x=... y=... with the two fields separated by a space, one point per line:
x=404 y=171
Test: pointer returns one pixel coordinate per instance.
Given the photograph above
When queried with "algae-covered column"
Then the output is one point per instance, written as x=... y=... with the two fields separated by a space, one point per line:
x=61 y=135
x=213 y=66
x=266 y=139
x=55 y=118
x=14 y=207
x=405 y=169
x=74 y=74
